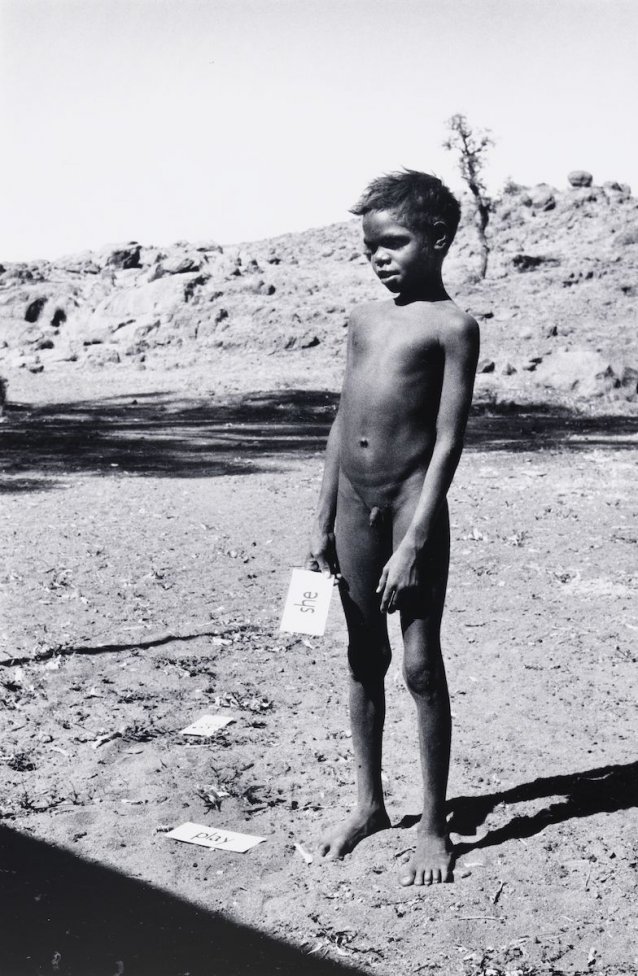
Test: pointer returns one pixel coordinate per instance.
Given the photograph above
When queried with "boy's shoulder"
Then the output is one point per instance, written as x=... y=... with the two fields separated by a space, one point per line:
x=364 y=310
x=456 y=324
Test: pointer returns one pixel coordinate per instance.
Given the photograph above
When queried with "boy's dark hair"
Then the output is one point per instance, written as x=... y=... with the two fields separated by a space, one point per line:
x=418 y=200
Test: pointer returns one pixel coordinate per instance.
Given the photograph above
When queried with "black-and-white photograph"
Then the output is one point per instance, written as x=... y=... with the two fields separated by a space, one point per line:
x=318 y=431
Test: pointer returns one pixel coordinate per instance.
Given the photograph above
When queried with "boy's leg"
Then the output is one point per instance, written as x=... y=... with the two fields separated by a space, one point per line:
x=362 y=550
x=424 y=673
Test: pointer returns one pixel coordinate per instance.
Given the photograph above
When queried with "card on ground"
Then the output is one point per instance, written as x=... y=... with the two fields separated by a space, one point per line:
x=215 y=837
x=207 y=725
x=307 y=603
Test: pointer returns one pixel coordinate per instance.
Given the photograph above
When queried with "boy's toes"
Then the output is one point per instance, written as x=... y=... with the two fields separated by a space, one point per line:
x=436 y=876
x=407 y=878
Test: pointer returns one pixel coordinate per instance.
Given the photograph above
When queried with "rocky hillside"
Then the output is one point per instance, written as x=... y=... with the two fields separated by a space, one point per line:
x=558 y=308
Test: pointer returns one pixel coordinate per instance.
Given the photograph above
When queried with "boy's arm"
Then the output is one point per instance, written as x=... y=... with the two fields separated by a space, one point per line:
x=461 y=350
x=321 y=557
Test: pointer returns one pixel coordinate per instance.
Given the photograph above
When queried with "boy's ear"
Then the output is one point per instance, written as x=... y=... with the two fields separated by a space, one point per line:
x=439 y=236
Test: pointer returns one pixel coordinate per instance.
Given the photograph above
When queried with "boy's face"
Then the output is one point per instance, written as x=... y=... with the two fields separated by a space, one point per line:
x=401 y=258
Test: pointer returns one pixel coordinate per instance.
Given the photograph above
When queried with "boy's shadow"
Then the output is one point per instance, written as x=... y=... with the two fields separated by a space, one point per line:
x=602 y=790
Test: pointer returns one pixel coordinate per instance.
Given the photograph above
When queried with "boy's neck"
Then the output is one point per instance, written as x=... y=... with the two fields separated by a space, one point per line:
x=431 y=289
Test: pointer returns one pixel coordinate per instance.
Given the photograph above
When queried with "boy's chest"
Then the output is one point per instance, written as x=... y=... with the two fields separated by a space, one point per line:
x=391 y=344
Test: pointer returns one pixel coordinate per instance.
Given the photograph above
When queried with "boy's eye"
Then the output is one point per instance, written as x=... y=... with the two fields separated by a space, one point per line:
x=392 y=243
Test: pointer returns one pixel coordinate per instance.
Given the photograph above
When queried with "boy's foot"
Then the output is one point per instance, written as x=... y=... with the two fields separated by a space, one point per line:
x=344 y=838
x=431 y=862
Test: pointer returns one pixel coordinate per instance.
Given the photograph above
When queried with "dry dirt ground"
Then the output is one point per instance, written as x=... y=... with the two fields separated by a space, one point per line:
x=147 y=536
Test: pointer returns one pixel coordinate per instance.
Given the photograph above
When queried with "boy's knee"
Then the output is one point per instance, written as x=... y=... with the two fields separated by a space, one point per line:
x=423 y=676
x=369 y=659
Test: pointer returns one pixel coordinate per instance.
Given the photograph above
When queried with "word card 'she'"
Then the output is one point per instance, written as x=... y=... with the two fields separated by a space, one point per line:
x=208 y=725
x=215 y=837
x=307 y=603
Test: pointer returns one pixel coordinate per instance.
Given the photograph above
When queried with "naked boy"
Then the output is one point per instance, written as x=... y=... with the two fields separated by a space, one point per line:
x=382 y=519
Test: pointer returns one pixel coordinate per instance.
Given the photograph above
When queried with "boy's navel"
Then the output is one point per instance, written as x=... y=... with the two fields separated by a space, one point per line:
x=363 y=441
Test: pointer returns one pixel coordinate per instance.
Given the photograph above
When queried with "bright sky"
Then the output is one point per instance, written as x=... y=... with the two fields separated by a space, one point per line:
x=161 y=120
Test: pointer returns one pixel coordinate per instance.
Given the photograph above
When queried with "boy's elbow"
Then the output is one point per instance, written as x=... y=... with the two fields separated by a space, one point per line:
x=449 y=447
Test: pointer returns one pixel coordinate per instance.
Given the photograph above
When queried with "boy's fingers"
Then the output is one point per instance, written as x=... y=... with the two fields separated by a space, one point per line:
x=382 y=580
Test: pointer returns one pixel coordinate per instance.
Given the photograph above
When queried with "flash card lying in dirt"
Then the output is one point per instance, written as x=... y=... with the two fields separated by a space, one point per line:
x=214 y=837
x=208 y=725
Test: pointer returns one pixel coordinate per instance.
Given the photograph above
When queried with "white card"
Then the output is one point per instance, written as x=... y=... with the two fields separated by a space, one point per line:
x=215 y=837
x=208 y=725
x=307 y=603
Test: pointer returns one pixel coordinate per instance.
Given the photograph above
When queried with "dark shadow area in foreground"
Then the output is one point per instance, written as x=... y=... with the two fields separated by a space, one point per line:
x=165 y=435
x=62 y=916
x=603 y=790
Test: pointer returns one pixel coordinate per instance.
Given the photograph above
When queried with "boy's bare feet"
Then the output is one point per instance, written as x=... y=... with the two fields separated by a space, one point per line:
x=431 y=862
x=344 y=838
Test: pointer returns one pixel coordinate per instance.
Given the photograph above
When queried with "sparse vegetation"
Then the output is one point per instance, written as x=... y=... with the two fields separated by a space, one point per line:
x=472 y=148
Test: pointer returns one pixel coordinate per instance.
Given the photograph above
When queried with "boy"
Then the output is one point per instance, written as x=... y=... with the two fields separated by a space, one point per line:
x=390 y=459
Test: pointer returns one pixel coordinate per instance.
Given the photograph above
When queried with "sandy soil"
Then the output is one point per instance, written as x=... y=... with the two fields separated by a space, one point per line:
x=147 y=540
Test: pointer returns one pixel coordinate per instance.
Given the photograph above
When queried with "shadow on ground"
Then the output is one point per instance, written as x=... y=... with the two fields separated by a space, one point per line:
x=165 y=435
x=68 y=650
x=65 y=916
x=603 y=790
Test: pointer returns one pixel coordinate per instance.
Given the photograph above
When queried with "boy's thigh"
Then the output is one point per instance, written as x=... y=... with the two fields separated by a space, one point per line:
x=362 y=552
x=425 y=604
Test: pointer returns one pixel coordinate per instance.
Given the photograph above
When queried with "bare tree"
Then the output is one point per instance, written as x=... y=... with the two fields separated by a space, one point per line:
x=472 y=148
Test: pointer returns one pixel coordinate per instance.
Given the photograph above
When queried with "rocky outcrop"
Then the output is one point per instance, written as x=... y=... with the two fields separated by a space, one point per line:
x=557 y=310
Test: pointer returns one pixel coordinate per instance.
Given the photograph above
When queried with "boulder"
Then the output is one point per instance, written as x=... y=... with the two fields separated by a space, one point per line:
x=628 y=236
x=528 y=262
x=159 y=298
x=125 y=257
x=179 y=264
x=34 y=309
x=629 y=381
x=617 y=192
x=104 y=356
x=580 y=177
x=581 y=371
x=80 y=264
x=542 y=197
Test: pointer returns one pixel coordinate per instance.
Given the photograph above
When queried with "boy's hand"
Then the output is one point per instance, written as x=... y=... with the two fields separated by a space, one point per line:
x=322 y=557
x=399 y=574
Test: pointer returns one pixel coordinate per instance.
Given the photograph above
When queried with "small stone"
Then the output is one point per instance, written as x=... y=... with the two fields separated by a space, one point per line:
x=508 y=369
x=486 y=366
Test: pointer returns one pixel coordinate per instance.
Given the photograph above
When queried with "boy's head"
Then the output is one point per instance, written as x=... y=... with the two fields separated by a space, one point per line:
x=417 y=200
x=409 y=222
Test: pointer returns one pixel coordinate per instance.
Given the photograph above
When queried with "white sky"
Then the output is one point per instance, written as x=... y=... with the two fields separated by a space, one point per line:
x=160 y=120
